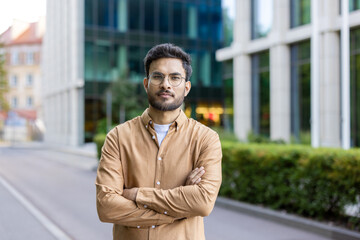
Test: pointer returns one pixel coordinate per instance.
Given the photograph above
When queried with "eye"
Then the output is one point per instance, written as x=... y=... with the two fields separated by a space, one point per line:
x=175 y=77
x=157 y=77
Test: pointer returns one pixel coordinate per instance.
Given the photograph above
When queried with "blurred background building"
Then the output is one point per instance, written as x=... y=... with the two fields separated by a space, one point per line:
x=91 y=43
x=22 y=49
x=296 y=70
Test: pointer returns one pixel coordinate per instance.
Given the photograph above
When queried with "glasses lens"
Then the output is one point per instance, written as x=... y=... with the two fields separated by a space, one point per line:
x=156 y=78
x=175 y=79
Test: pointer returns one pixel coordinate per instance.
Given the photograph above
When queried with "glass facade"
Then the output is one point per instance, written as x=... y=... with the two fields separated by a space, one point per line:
x=355 y=87
x=118 y=34
x=260 y=76
x=261 y=18
x=300 y=90
x=354 y=5
x=228 y=9
x=229 y=95
x=300 y=12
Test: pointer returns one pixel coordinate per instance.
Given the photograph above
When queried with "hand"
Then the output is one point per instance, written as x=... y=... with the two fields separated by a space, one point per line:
x=195 y=176
x=130 y=193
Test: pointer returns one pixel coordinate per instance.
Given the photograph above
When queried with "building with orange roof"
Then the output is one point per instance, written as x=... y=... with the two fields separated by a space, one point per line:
x=23 y=43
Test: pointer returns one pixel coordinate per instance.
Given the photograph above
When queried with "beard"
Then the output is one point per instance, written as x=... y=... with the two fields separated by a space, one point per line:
x=160 y=104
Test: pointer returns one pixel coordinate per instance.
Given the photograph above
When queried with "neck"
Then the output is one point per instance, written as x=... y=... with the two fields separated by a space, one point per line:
x=163 y=117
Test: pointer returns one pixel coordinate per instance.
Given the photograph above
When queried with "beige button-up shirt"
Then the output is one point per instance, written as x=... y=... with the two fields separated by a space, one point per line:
x=165 y=208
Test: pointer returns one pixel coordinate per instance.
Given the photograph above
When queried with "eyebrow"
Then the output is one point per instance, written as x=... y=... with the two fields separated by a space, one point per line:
x=174 y=73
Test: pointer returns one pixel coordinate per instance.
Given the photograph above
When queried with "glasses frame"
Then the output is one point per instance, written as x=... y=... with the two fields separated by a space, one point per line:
x=164 y=77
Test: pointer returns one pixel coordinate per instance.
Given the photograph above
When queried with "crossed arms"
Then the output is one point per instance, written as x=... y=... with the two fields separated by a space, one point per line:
x=196 y=198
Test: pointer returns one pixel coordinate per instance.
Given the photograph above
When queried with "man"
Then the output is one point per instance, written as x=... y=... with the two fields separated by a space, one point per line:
x=160 y=173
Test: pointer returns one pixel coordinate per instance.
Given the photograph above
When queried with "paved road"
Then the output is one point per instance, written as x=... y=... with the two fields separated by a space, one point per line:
x=44 y=194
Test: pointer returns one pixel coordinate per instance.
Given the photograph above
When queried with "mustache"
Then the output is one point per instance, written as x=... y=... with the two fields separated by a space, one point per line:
x=165 y=91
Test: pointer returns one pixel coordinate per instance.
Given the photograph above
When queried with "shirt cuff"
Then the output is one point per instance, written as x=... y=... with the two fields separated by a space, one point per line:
x=143 y=199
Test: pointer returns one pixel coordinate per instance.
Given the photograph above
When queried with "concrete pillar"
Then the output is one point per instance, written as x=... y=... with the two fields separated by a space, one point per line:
x=242 y=96
x=345 y=75
x=315 y=74
x=242 y=71
x=280 y=114
x=330 y=77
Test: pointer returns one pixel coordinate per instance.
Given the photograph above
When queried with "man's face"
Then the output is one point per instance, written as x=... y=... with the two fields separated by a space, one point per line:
x=165 y=97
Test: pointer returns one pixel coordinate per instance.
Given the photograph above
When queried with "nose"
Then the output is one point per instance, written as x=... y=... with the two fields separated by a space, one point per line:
x=165 y=84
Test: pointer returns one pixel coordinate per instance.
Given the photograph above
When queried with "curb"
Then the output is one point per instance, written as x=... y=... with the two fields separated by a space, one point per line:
x=332 y=232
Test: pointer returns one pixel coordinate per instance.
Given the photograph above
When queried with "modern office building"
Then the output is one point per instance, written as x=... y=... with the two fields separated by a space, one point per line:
x=296 y=70
x=22 y=44
x=91 y=43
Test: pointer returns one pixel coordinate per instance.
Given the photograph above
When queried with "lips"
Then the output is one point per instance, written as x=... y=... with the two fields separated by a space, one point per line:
x=164 y=94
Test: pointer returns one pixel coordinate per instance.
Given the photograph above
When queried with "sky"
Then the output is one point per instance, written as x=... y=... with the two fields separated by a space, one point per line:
x=26 y=10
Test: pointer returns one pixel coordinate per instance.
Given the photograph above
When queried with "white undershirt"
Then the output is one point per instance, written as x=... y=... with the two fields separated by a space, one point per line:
x=161 y=131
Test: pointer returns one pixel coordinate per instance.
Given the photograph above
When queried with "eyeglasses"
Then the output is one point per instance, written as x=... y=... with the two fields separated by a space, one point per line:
x=174 y=79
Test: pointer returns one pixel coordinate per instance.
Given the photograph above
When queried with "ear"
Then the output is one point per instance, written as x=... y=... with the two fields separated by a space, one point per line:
x=187 y=88
x=146 y=84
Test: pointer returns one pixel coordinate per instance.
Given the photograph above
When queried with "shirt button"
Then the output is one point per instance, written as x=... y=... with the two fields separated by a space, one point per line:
x=158 y=183
x=153 y=137
x=138 y=226
x=150 y=122
x=146 y=126
x=165 y=212
x=153 y=226
x=159 y=158
x=145 y=206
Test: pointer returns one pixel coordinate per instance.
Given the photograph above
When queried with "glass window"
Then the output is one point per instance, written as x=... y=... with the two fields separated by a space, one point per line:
x=14 y=102
x=149 y=15
x=205 y=70
x=30 y=58
x=261 y=18
x=300 y=90
x=89 y=8
x=203 y=21
x=300 y=12
x=134 y=19
x=229 y=95
x=29 y=101
x=89 y=61
x=164 y=17
x=15 y=58
x=216 y=22
x=228 y=11
x=355 y=87
x=103 y=62
x=260 y=93
x=192 y=20
x=135 y=64
x=194 y=65
x=121 y=15
x=29 y=80
x=354 y=5
x=13 y=81
x=103 y=13
x=177 y=18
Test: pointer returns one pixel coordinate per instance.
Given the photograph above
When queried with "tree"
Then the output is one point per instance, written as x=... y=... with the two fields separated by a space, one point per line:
x=4 y=88
x=128 y=98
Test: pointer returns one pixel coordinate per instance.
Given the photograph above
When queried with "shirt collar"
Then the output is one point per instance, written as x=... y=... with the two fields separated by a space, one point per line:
x=147 y=121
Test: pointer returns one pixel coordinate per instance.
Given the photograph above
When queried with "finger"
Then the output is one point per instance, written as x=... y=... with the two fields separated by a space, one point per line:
x=199 y=174
x=198 y=181
x=193 y=173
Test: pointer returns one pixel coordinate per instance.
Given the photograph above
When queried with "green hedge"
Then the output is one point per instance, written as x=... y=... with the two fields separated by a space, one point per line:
x=316 y=183
x=99 y=139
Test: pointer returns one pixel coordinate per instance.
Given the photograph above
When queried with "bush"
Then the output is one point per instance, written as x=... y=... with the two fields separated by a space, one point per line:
x=316 y=183
x=99 y=139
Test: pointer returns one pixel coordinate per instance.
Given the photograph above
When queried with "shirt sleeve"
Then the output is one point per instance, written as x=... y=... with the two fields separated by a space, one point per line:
x=111 y=205
x=193 y=200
